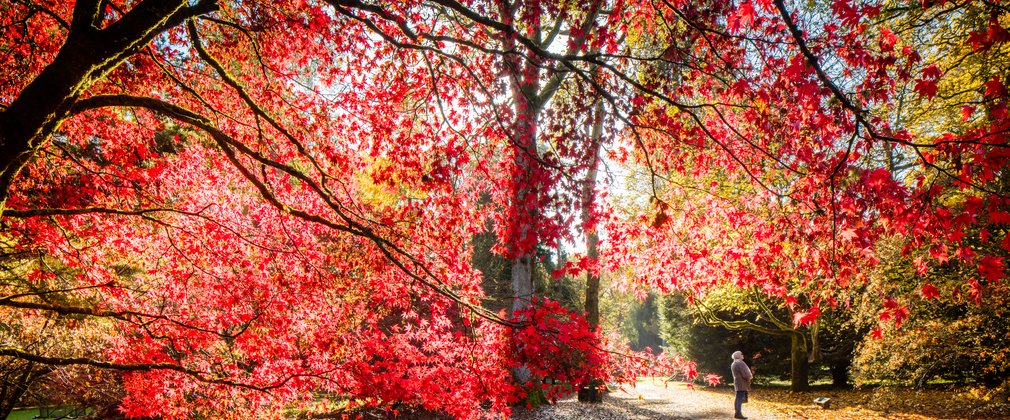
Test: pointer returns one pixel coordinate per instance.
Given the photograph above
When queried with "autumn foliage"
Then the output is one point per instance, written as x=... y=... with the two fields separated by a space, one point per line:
x=259 y=206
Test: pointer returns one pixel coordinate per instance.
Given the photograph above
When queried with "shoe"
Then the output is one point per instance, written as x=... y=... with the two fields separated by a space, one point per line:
x=739 y=416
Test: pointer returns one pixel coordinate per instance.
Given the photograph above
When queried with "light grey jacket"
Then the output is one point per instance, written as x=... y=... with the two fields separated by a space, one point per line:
x=741 y=375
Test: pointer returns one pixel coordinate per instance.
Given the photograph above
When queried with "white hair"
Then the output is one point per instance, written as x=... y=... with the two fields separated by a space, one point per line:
x=738 y=355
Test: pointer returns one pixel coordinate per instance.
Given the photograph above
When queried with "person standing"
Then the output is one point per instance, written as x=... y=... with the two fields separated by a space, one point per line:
x=741 y=382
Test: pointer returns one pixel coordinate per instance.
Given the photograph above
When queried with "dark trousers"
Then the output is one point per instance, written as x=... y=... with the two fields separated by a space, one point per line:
x=741 y=397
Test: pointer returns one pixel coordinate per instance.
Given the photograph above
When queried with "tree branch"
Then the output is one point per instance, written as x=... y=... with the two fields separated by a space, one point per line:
x=229 y=145
x=136 y=367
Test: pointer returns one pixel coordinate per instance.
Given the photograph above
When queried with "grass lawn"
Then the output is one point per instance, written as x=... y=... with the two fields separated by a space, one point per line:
x=27 y=413
x=23 y=414
x=883 y=402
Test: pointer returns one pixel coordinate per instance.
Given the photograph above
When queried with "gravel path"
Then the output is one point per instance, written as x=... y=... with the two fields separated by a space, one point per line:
x=650 y=400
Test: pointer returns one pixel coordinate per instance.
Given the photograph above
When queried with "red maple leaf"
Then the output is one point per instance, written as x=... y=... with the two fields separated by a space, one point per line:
x=966 y=112
x=999 y=217
x=929 y=292
x=745 y=14
x=991 y=268
x=932 y=72
x=979 y=41
x=975 y=290
x=846 y=12
x=806 y=317
x=994 y=88
x=887 y=40
x=926 y=88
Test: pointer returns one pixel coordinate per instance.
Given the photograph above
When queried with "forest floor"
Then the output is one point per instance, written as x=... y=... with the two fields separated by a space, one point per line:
x=649 y=399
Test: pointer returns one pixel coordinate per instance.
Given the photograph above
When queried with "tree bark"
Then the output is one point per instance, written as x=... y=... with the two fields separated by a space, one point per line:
x=840 y=374
x=524 y=199
x=592 y=282
x=87 y=55
x=592 y=237
x=800 y=376
x=592 y=306
x=12 y=390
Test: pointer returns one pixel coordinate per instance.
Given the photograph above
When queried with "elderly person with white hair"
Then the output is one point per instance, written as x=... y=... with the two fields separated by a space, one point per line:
x=741 y=382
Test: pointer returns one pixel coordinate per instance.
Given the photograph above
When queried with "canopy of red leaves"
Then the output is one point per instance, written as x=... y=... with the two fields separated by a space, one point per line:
x=266 y=201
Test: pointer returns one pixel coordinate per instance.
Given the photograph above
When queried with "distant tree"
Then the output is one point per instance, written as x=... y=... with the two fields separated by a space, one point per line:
x=729 y=320
x=953 y=328
x=710 y=346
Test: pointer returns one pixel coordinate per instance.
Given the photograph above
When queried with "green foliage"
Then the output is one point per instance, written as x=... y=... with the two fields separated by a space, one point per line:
x=637 y=321
x=615 y=310
x=496 y=273
x=645 y=319
x=495 y=270
x=710 y=346
x=969 y=348
x=567 y=290
x=736 y=319
x=963 y=337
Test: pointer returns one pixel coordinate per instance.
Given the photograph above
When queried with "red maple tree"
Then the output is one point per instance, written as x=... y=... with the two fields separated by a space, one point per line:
x=267 y=200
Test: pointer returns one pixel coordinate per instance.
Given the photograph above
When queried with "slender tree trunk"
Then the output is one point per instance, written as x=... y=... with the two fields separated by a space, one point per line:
x=800 y=364
x=592 y=237
x=524 y=194
x=592 y=307
x=592 y=282
x=7 y=401
x=840 y=374
x=524 y=201
x=11 y=392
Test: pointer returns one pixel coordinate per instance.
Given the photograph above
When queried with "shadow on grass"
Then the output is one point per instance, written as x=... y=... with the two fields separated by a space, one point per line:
x=936 y=402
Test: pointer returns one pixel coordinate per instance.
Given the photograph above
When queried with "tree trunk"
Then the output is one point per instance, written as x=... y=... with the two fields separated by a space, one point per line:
x=524 y=202
x=522 y=293
x=15 y=388
x=592 y=282
x=87 y=55
x=592 y=237
x=522 y=283
x=525 y=209
x=840 y=374
x=525 y=193
x=800 y=364
x=7 y=401
x=592 y=308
